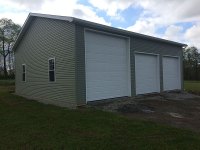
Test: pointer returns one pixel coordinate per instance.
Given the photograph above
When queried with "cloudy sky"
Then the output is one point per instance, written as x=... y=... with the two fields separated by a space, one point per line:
x=177 y=20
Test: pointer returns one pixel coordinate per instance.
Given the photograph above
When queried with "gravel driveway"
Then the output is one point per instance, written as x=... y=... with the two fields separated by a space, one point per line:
x=179 y=109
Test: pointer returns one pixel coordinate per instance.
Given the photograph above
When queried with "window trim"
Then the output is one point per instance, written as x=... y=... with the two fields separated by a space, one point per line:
x=24 y=72
x=52 y=70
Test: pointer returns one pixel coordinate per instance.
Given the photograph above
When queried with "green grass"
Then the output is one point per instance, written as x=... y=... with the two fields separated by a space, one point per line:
x=27 y=124
x=7 y=82
x=192 y=86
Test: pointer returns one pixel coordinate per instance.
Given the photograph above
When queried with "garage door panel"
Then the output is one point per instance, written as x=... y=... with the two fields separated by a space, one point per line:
x=147 y=73
x=106 y=66
x=107 y=59
x=171 y=73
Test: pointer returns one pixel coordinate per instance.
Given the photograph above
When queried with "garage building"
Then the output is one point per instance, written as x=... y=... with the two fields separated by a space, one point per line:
x=68 y=62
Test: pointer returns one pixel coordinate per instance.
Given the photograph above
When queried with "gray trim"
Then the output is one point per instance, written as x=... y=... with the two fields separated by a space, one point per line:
x=182 y=71
x=132 y=61
x=161 y=73
x=80 y=65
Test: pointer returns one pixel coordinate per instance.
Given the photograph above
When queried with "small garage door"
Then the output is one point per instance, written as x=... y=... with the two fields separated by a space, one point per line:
x=107 y=66
x=147 y=73
x=171 y=73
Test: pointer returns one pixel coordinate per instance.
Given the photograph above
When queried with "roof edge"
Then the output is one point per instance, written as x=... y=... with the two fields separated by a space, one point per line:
x=89 y=24
x=123 y=31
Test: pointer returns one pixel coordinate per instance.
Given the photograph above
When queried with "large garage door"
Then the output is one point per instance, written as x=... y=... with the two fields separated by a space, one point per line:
x=147 y=73
x=107 y=66
x=171 y=73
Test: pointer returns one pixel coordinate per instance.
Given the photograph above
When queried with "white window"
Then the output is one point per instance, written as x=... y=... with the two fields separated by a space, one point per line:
x=52 y=69
x=24 y=72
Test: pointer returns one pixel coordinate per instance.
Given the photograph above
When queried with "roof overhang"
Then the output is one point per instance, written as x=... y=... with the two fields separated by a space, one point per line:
x=124 y=32
x=89 y=24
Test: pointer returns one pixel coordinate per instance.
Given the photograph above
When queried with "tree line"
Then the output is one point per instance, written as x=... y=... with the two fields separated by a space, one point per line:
x=191 y=63
x=9 y=32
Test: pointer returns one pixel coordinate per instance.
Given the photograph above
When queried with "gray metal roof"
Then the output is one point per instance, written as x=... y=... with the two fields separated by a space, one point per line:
x=91 y=25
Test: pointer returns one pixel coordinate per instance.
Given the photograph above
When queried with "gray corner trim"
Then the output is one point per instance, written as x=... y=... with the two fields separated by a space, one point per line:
x=182 y=71
x=80 y=65
x=161 y=73
x=132 y=66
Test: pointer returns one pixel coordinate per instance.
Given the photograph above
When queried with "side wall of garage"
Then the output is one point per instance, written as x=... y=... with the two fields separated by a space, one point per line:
x=155 y=47
x=47 y=38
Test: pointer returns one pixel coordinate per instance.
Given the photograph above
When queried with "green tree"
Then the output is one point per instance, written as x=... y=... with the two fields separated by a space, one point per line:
x=8 y=34
x=191 y=63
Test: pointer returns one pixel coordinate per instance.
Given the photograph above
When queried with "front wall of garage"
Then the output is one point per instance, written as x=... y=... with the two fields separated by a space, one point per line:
x=136 y=45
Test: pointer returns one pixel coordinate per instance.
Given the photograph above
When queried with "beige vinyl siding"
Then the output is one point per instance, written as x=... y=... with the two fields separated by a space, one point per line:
x=44 y=39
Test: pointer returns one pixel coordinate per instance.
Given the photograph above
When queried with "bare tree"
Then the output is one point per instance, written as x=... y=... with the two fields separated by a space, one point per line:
x=8 y=34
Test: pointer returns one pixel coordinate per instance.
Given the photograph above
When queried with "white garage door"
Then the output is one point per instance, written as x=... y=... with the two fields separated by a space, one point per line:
x=147 y=73
x=171 y=73
x=107 y=66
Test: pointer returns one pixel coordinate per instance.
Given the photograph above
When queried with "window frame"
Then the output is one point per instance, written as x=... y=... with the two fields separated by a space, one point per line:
x=24 y=73
x=52 y=58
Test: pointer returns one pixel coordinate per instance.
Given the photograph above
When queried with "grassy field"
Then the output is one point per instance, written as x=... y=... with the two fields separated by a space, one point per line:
x=27 y=124
x=7 y=82
x=192 y=86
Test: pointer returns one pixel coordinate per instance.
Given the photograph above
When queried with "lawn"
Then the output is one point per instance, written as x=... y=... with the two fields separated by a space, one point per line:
x=27 y=124
x=192 y=86
x=7 y=82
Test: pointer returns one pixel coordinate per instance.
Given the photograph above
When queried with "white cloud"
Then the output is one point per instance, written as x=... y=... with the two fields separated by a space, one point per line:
x=18 y=10
x=167 y=11
x=172 y=11
x=30 y=4
x=192 y=35
x=13 y=11
x=71 y=8
x=174 y=33
x=112 y=7
x=156 y=14
x=144 y=27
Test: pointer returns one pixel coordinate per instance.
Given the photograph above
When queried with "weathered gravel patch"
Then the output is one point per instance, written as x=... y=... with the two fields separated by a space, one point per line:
x=178 y=95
